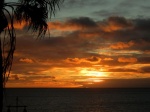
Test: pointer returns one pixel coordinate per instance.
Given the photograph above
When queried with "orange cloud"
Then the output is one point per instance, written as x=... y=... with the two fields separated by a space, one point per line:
x=108 y=59
x=73 y=60
x=110 y=28
x=15 y=77
x=129 y=60
x=63 y=26
x=122 y=45
x=90 y=28
x=26 y=60
x=92 y=60
x=20 y=25
x=58 y=26
x=89 y=34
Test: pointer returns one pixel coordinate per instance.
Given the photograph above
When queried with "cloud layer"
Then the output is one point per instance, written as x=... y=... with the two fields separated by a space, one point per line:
x=81 y=51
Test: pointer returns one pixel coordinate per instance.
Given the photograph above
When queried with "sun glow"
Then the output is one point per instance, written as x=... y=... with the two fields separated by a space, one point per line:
x=93 y=73
x=93 y=76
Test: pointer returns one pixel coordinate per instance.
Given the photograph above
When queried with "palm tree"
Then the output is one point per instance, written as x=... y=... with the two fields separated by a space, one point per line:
x=35 y=13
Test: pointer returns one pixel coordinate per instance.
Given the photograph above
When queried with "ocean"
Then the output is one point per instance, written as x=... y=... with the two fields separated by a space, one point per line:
x=78 y=100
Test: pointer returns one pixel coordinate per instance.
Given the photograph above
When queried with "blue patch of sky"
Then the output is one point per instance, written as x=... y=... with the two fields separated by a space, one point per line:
x=101 y=9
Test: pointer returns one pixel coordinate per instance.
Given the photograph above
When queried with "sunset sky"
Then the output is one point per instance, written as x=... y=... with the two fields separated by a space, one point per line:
x=92 y=43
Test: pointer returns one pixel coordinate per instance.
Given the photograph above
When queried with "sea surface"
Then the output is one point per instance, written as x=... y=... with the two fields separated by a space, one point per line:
x=78 y=100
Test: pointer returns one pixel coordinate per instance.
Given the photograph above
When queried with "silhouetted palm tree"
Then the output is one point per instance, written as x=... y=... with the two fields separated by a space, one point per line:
x=35 y=13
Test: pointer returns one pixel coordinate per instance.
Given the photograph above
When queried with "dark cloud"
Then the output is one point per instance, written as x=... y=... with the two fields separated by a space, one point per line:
x=145 y=69
x=93 y=59
x=127 y=8
x=122 y=70
x=120 y=21
x=142 y=24
x=144 y=60
x=15 y=77
x=82 y=3
x=120 y=30
x=83 y=22
x=107 y=13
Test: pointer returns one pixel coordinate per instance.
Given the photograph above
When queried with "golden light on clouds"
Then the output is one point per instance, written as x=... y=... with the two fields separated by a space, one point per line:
x=121 y=45
x=93 y=73
x=92 y=60
x=18 y=25
x=130 y=59
x=26 y=60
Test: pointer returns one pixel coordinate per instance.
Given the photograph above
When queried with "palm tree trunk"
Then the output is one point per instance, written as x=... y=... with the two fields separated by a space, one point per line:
x=1 y=3
x=1 y=67
x=1 y=79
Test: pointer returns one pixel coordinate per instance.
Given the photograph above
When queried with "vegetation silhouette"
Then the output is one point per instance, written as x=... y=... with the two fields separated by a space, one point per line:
x=35 y=14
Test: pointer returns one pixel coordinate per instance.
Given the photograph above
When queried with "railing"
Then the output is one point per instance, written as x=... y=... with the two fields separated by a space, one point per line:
x=17 y=106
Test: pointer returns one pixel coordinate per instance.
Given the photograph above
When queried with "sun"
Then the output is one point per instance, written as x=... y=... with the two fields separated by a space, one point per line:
x=93 y=73
x=93 y=76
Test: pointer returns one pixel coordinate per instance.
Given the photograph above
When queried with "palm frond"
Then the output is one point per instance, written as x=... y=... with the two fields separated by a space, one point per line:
x=35 y=13
x=8 y=41
x=3 y=21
